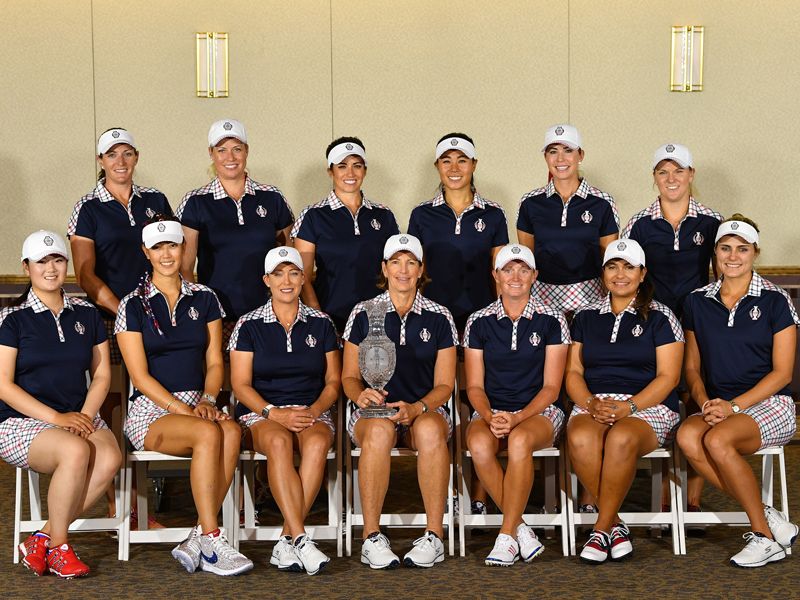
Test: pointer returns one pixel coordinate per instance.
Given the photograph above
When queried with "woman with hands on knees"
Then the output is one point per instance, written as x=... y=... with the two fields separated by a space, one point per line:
x=286 y=374
x=425 y=339
x=622 y=370
x=741 y=336
x=49 y=420
x=167 y=328
x=515 y=352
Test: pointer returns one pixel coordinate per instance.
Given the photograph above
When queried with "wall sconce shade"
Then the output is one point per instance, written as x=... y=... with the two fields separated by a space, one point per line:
x=212 y=64
x=686 y=69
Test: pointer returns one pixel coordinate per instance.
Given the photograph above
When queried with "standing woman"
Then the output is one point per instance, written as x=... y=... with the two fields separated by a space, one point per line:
x=49 y=420
x=568 y=225
x=230 y=224
x=343 y=236
x=167 y=329
x=461 y=232
x=425 y=339
x=515 y=352
x=741 y=336
x=286 y=374
x=623 y=366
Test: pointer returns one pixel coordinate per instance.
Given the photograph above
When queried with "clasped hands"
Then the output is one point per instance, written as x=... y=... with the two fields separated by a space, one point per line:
x=606 y=410
x=716 y=410
x=406 y=412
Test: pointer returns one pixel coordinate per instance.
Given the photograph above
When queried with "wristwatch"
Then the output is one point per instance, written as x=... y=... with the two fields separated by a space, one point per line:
x=735 y=407
x=424 y=406
x=266 y=409
x=632 y=404
x=212 y=400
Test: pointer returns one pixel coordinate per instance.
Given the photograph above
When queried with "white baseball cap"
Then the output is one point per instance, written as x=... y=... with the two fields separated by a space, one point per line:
x=677 y=152
x=744 y=230
x=226 y=128
x=455 y=143
x=626 y=249
x=402 y=242
x=282 y=254
x=341 y=151
x=112 y=137
x=162 y=231
x=563 y=133
x=511 y=252
x=43 y=243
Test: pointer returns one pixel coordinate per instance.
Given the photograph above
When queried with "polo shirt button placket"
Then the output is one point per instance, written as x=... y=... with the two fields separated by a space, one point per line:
x=514 y=334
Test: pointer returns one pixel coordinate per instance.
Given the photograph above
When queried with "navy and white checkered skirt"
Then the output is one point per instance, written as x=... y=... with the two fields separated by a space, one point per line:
x=251 y=418
x=661 y=418
x=552 y=413
x=17 y=434
x=401 y=429
x=143 y=412
x=568 y=297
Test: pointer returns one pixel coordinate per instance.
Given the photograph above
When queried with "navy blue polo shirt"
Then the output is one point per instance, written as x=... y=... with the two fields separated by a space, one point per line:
x=288 y=368
x=736 y=345
x=175 y=343
x=349 y=251
x=514 y=351
x=427 y=328
x=619 y=352
x=233 y=239
x=458 y=252
x=678 y=260
x=567 y=235
x=116 y=231
x=53 y=352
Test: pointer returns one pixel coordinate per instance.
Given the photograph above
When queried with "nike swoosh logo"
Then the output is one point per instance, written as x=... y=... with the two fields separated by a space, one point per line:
x=210 y=559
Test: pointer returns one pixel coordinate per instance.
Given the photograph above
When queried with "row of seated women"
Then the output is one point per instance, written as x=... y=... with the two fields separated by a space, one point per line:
x=229 y=225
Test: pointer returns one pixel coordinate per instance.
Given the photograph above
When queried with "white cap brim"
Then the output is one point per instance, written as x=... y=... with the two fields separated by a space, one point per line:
x=744 y=230
x=162 y=231
x=677 y=153
x=512 y=252
x=564 y=134
x=455 y=143
x=43 y=243
x=341 y=151
x=402 y=242
x=226 y=128
x=280 y=255
x=112 y=137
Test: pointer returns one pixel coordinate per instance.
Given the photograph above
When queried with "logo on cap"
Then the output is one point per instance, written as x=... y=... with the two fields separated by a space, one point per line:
x=480 y=225
x=261 y=211
x=586 y=217
x=403 y=239
x=150 y=213
x=535 y=339
x=48 y=241
x=559 y=130
x=193 y=314
x=376 y=225
x=670 y=148
x=161 y=227
x=115 y=134
x=349 y=146
x=734 y=226
x=425 y=335
x=454 y=142
x=227 y=126
x=755 y=313
x=698 y=239
x=283 y=252
x=515 y=250
x=637 y=331
x=621 y=246
x=311 y=341
x=80 y=328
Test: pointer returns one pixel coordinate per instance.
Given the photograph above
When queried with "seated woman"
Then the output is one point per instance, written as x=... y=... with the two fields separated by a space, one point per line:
x=740 y=347
x=48 y=417
x=622 y=370
x=166 y=329
x=286 y=374
x=515 y=352
x=425 y=339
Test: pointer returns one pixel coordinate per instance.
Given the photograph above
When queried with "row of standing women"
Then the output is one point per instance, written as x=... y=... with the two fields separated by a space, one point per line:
x=624 y=359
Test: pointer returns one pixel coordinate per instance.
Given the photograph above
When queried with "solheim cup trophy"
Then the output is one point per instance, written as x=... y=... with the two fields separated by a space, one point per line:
x=377 y=358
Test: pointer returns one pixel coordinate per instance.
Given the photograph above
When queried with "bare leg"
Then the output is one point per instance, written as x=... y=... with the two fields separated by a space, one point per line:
x=585 y=440
x=314 y=444
x=376 y=437
x=484 y=446
x=428 y=435
x=690 y=438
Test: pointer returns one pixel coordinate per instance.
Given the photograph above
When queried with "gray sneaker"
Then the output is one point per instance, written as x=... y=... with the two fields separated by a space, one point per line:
x=219 y=557
x=188 y=551
x=284 y=557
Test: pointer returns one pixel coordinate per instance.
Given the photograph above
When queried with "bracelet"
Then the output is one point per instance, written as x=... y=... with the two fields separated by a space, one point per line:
x=170 y=404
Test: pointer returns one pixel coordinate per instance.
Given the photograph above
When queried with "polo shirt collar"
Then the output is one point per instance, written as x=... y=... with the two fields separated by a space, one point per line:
x=605 y=306
x=33 y=302
x=582 y=191
x=270 y=317
x=333 y=201
x=477 y=200
x=104 y=195
x=754 y=289
x=527 y=312
x=416 y=307
x=152 y=290
x=219 y=192
x=654 y=210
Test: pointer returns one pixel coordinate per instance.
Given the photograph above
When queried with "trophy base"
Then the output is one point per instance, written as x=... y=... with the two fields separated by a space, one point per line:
x=377 y=412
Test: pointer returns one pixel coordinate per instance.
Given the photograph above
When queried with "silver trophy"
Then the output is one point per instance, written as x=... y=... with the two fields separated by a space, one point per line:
x=377 y=357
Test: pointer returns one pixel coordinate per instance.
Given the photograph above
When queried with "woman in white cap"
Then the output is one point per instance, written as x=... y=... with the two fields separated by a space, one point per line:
x=49 y=420
x=515 y=353
x=343 y=235
x=741 y=336
x=286 y=374
x=567 y=224
x=622 y=370
x=231 y=223
x=169 y=331
x=425 y=341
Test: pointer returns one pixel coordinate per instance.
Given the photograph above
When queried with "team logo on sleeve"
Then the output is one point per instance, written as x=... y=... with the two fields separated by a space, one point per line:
x=480 y=225
x=311 y=341
x=425 y=335
x=261 y=211
x=80 y=328
x=637 y=331
x=698 y=239
x=193 y=314
x=586 y=217
x=535 y=339
x=755 y=313
x=376 y=225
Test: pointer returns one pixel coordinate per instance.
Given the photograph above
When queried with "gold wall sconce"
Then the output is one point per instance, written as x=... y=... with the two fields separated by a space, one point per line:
x=212 y=64
x=686 y=68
